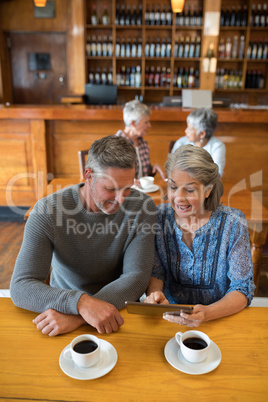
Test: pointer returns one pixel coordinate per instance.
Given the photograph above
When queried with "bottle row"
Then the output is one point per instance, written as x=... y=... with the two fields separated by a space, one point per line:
x=154 y=15
x=238 y=17
x=103 y=77
x=95 y=19
x=254 y=79
x=99 y=47
x=259 y=17
x=232 y=79
x=190 y=47
x=232 y=50
x=258 y=50
x=128 y=76
x=125 y=16
x=186 y=77
x=228 y=79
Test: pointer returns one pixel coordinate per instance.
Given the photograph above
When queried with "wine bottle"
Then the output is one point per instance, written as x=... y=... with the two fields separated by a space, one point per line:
x=222 y=19
x=235 y=47
x=152 y=14
x=128 y=47
x=93 y=46
x=158 y=47
x=198 y=47
x=138 y=77
x=123 y=47
x=157 y=15
x=132 y=76
x=244 y=21
x=191 y=82
x=105 y=16
x=263 y=16
x=128 y=15
x=163 y=77
x=104 y=50
x=196 y=78
x=104 y=76
x=117 y=14
x=221 y=49
x=241 y=47
x=181 y=47
x=232 y=19
x=117 y=48
x=257 y=16
x=147 y=16
x=152 y=48
x=133 y=19
x=94 y=17
x=260 y=49
x=192 y=47
x=163 y=47
x=252 y=16
x=163 y=15
x=179 y=77
x=254 y=50
x=228 y=48
x=176 y=48
x=122 y=15
x=110 y=77
x=169 y=16
x=168 y=48
x=227 y=19
x=157 y=77
x=139 y=15
x=139 y=48
x=147 y=48
x=238 y=17
x=187 y=17
x=134 y=48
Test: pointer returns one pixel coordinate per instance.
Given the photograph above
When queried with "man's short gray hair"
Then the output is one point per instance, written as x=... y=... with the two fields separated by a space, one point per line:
x=134 y=111
x=198 y=163
x=203 y=119
x=111 y=151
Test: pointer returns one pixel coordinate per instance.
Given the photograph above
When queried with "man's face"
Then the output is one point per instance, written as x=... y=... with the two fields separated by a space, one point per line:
x=107 y=190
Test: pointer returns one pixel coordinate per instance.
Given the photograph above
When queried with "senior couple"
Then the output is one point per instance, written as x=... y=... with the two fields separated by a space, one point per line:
x=190 y=250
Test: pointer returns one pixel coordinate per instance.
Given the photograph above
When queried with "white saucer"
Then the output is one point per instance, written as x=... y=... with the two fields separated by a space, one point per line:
x=149 y=189
x=108 y=359
x=174 y=357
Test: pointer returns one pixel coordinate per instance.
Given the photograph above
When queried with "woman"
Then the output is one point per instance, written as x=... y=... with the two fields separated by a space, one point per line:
x=202 y=249
x=136 y=117
x=201 y=124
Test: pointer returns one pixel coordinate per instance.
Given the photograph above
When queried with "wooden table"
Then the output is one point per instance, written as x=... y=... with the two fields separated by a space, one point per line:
x=253 y=204
x=29 y=362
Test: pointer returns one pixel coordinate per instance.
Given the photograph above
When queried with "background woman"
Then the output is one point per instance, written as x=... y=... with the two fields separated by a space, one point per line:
x=136 y=117
x=202 y=249
x=201 y=124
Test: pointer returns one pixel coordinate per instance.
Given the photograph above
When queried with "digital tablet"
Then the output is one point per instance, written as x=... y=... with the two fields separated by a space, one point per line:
x=156 y=309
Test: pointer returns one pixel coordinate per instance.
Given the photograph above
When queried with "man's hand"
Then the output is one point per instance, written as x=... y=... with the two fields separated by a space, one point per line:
x=99 y=314
x=156 y=297
x=53 y=323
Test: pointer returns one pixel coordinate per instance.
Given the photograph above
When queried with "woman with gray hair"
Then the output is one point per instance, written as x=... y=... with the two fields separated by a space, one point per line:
x=201 y=124
x=202 y=249
x=136 y=117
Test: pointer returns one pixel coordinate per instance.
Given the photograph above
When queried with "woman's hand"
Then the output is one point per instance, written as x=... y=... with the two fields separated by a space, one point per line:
x=189 y=320
x=157 y=297
x=157 y=168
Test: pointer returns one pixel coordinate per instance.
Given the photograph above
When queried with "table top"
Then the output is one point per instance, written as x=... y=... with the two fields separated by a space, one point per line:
x=29 y=361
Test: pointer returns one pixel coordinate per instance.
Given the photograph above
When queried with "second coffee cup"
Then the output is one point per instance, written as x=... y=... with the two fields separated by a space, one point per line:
x=194 y=345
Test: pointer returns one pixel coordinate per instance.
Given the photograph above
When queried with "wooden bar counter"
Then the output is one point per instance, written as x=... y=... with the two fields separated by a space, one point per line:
x=39 y=143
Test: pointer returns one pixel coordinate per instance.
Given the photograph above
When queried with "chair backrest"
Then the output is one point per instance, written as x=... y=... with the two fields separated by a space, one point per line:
x=170 y=146
x=82 y=155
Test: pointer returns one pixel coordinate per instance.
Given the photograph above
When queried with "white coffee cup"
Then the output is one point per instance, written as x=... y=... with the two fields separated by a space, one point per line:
x=189 y=341
x=88 y=357
x=146 y=182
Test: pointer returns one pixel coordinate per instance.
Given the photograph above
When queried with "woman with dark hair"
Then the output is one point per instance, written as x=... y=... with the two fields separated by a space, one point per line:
x=202 y=249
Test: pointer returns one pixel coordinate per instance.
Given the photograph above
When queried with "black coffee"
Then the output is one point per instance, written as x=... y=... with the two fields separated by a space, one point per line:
x=85 y=347
x=195 y=343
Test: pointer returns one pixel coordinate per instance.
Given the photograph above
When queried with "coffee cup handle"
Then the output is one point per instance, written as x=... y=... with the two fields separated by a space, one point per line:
x=67 y=353
x=178 y=337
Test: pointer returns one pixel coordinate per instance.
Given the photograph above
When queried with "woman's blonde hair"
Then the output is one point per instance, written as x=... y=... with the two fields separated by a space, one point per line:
x=198 y=163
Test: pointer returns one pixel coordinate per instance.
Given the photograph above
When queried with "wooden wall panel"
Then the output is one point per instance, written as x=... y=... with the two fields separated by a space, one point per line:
x=23 y=162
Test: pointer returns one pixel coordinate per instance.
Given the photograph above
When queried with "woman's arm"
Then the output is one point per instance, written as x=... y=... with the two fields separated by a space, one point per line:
x=231 y=303
x=155 y=293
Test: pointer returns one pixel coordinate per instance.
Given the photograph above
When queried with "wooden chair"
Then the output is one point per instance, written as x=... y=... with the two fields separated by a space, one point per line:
x=82 y=155
x=170 y=146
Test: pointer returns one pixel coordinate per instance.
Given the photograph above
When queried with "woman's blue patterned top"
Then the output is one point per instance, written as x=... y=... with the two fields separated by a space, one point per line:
x=219 y=262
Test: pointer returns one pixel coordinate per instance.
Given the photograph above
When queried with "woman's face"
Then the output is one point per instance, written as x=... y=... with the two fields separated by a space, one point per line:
x=191 y=133
x=186 y=194
x=140 y=129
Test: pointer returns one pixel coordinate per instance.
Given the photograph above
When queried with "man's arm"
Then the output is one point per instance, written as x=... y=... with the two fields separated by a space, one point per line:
x=137 y=262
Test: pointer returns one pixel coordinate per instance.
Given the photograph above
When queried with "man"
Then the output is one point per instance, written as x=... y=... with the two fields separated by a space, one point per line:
x=98 y=237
